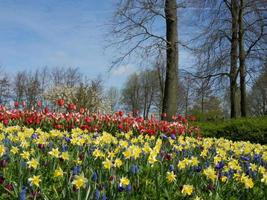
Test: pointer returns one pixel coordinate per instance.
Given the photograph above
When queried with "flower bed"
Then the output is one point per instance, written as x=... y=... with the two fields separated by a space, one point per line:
x=77 y=164
x=112 y=123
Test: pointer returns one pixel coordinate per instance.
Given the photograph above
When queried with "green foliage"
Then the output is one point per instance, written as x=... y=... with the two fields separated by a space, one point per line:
x=250 y=129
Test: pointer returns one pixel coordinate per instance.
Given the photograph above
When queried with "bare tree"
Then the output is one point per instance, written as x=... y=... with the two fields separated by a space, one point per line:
x=113 y=97
x=20 y=81
x=65 y=76
x=258 y=95
x=148 y=80
x=5 y=92
x=32 y=89
x=229 y=36
x=131 y=94
x=252 y=30
x=136 y=26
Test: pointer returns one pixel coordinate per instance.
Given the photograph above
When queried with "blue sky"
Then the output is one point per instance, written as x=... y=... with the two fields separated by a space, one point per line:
x=65 y=33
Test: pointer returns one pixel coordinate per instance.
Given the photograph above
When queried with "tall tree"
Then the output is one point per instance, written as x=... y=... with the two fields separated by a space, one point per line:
x=242 y=67
x=138 y=26
x=252 y=24
x=234 y=55
x=233 y=37
x=170 y=98
x=131 y=94
x=257 y=100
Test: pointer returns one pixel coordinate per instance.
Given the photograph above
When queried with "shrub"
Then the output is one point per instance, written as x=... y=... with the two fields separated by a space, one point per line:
x=250 y=129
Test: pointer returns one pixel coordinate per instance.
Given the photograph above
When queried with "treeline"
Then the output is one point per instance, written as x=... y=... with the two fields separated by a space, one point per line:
x=227 y=40
x=50 y=84
x=142 y=94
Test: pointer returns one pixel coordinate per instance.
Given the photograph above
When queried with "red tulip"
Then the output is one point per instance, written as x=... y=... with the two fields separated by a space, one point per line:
x=9 y=187
x=39 y=103
x=2 y=180
x=23 y=103
x=82 y=110
x=120 y=126
x=60 y=102
x=46 y=110
x=16 y=104
x=6 y=121
x=72 y=106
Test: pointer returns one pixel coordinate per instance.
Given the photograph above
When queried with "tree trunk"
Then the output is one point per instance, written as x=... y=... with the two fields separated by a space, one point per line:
x=170 y=98
x=186 y=101
x=242 y=66
x=234 y=48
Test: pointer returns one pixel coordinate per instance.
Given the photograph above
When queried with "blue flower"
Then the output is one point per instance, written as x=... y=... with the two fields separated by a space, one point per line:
x=244 y=158
x=129 y=188
x=67 y=139
x=23 y=164
x=164 y=136
x=94 y=177
x=257 y=158
x=134 y=169
x=77 y=170
x=120 y=188
x=171 y=168
x=219 y=165
x=173 y=136
x=64 y=148
x=50 y=144
x=7 y=141
x=198 y=169
x=104 y=197
x=23 y=193
x=97 y=194
x=34 y=136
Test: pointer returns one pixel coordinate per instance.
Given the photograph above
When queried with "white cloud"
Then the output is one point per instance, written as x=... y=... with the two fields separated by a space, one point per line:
x=124 y=70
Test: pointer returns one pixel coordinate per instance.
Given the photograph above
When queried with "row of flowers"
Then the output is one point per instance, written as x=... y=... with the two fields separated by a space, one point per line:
x=77 y=164
x=66 y=117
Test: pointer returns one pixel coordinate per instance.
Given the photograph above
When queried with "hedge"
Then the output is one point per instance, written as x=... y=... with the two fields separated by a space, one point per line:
x=247 y=129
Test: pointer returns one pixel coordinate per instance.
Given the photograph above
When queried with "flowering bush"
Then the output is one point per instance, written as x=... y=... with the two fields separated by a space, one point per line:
x=77 y=164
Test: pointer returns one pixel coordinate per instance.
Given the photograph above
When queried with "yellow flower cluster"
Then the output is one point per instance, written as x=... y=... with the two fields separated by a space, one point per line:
x=216 y=159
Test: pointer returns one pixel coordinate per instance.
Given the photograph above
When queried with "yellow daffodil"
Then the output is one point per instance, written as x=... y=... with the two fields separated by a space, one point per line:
x=210 y=173
x=107 y=164
x=33 y=163
x=79 y=181
x=25 y=155
x=194 y=161
x=262 y=170
x=35 y=180
x=65 y=155
x=124 y=181
x=253 y=167
x=54 y=152
x=58 y=172
x=152 y=158
x=223 y=179
x=171 y=177
x=264 y=179
x=98 y=153
x=2 y=150
x=127 y=154
x=247 y=181
x=181 y=165
x=187 y=189
x=117 y=163
x=14 y=150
